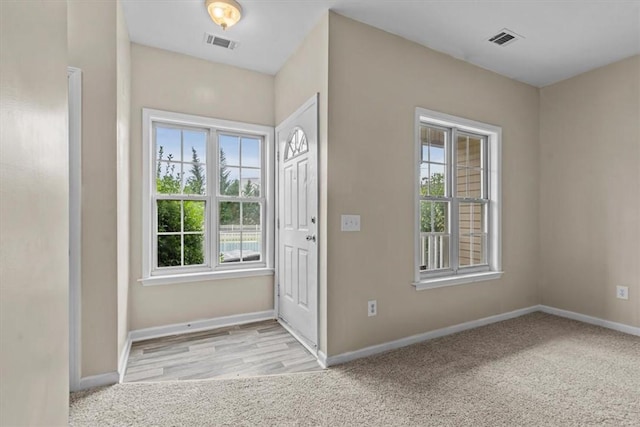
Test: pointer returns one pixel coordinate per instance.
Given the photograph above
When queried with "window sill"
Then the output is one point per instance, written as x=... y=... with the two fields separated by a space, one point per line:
x=204 y=276
x=441 y=282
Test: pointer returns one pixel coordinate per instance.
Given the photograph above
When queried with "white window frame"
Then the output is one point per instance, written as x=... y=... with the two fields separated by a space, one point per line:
x=493 y=135
x=211 y=270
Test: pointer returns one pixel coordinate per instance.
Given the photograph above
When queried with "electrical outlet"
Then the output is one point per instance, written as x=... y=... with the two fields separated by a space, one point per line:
x=622 y=292
x=372 y=307
x=350 y=222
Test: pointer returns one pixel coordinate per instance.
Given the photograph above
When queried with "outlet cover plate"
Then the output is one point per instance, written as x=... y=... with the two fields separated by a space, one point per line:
x=372 y=307
x=622 y=292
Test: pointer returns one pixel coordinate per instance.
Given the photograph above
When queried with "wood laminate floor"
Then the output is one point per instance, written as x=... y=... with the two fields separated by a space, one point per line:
x=262 y=348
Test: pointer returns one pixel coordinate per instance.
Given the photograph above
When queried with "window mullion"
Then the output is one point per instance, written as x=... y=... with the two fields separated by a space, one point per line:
x=214 y=171
x=455 y=234
x=486 y=196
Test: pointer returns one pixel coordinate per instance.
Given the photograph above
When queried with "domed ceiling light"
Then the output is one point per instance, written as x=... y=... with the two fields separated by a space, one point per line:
x=225 y=13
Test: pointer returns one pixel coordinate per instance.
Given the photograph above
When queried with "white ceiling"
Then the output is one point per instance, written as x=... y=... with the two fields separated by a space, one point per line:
x=561 y=38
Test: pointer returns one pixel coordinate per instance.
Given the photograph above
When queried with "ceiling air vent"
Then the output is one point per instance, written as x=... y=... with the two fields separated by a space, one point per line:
x=219 y=41
x=504 y=37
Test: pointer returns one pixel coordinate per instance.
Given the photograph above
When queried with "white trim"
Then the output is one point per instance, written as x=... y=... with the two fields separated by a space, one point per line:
x=414 y=339
x=441 y=282
x=322 y=359
x=204 y=276
x=75 y=224
x=149 y=116
x=200 y=325
x=494 y=166
x=99 y=380
x=124 y=358
x=620 y=327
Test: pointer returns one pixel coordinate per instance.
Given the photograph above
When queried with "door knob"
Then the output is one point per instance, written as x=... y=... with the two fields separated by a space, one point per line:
x=311 y=238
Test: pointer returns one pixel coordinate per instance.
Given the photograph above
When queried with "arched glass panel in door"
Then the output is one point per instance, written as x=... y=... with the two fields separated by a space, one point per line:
x=296 y=144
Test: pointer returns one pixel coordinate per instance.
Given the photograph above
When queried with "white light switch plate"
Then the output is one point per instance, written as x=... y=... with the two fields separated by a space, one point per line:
x=350 y=222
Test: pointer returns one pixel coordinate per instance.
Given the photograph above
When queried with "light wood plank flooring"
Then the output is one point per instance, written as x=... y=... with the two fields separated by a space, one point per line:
x=263 y=348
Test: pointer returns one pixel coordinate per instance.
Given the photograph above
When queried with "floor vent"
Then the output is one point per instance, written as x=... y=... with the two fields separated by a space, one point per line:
x=504 y=37
x=214 y=40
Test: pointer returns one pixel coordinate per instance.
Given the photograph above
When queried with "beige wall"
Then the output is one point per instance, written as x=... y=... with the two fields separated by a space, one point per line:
x=123 y=108
x=170 y=81
x=304 y=74
x=375 y=82
x=590 y=192
x=92 y=48
x=34 y=215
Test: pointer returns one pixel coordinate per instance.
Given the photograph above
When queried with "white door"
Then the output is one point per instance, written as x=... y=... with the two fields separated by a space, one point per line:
x=297 y=139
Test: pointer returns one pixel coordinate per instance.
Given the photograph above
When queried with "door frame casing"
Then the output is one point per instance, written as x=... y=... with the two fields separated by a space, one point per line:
x=315 y=99
x=74 y=76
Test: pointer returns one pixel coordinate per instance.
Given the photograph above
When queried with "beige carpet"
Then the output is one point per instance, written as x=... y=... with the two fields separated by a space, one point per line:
x=537 y=370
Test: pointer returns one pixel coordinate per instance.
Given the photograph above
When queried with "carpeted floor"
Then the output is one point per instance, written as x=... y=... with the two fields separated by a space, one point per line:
x=537 y=370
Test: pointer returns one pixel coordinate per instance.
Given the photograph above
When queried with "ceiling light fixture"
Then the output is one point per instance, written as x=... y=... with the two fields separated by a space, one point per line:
x=225 y=13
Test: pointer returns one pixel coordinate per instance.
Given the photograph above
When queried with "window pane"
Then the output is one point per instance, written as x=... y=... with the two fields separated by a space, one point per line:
x=251 y=232
x=434 y=217
x=470 y=182
x=432 y=180
x=169 y=253
x=436 y=137
x=436 y=180
x=473 y=250
x=424 y=179
x=230 y=238
x=461 y=150
x=251 y=152
x=475 y=153
x=472 y=234
x=168 y=216
x=472 y=217
x=229 y=214
x=193 y=249
x=194 y=146
x=469 y=151
x=229 y=150
x=194 y=212
x=437 y=154
x=230 y=181
x=251 y=216
x=195 y=178
x=434 y=252
x=250 y=182
x=168 y=144
x=168 y=178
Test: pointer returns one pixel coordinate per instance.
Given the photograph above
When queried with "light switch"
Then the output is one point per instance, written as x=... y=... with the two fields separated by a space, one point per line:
x=350 y=223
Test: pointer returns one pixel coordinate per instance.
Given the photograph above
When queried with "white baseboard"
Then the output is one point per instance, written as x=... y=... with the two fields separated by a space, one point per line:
x=200 y=325
x=414 y=339
x=124 y=357
x=99 y=380
x=620 y=327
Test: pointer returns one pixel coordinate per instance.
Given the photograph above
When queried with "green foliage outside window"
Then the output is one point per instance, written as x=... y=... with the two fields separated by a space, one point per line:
x=177 y=216
x=173 y=215
x=433 y=215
